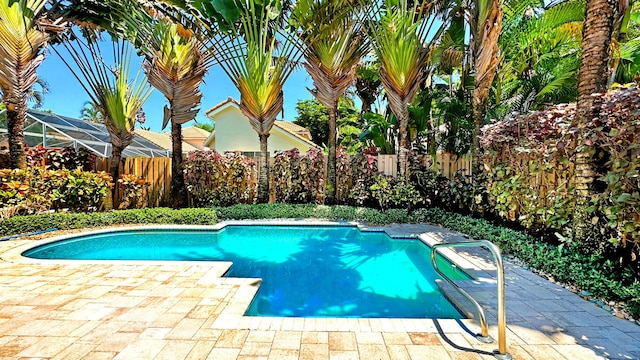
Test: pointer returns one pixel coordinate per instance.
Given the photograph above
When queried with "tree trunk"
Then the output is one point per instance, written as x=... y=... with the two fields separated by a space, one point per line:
x=485 y=62
x=15 y=128
x=263 y=179
x=403 y=140
x=178 y=190
x=116 y=158
x=331 y=161
x=592 y=78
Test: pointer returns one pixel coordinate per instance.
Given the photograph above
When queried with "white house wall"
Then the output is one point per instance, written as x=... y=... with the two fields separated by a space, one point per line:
x=234 y=133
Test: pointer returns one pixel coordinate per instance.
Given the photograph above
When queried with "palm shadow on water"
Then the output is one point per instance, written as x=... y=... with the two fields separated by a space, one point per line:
x=329 y=272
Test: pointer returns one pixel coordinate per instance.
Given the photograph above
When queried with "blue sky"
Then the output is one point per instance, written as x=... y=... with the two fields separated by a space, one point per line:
x=67 y=97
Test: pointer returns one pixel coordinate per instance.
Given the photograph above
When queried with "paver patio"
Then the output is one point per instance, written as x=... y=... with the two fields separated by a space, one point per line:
x=186 y=310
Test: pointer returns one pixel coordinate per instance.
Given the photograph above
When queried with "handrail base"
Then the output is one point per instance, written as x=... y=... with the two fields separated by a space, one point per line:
x=505 y=356
x=485 y=339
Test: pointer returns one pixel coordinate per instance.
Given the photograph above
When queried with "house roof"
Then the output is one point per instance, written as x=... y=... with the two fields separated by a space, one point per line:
x=299 y=132
x=192 y=132
x=229 y=101
x=163 y=140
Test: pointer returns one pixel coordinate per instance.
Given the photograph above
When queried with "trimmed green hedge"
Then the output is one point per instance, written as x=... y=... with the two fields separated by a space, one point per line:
x=66 y=221
x=594 y=273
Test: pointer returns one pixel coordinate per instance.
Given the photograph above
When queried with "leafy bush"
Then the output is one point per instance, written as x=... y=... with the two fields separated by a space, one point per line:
x=40 y=190
x=57 y=159
x=132 y=190
x=66 y=221
x=364 y=168
x=298 y=179
x=213 y=179
x=394 y=193
x=531 y=171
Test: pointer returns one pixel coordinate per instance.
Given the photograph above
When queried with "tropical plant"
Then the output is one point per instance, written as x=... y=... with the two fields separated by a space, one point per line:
x=368 y=85
x=258 y=59
x=118 y=99
x=334 y=43
x=401 y=34
x=90 y=112
x=175 y=64
x=541 y=54
x=25 y=27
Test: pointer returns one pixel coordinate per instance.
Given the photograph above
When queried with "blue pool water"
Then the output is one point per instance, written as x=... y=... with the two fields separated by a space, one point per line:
x=309 y=271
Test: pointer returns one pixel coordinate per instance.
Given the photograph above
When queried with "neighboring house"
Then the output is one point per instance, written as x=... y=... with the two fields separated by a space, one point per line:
x=164 y=140
x=234 y=133
x=195 y=136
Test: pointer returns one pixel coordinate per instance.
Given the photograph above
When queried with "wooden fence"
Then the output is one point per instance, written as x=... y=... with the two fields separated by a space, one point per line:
x=446 y=163
x=155 y=171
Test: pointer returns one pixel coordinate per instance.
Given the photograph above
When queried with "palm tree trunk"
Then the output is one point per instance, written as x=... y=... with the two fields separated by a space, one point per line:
x=403 y=140
x=15 y=127
x=485 y=61
x=478 y=119
x=114 y=169
x=178 y=190
x=263 y=178
x=331 y=161
x=592 y=78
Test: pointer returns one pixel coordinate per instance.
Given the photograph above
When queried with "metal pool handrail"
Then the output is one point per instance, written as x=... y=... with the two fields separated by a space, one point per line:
x=502 y=317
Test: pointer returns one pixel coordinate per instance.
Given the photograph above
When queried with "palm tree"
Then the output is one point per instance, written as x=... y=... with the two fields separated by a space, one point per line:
x=593 y=76
x=175 y=65
x=24 y=33
x=401 y=36
x=541 y=54
x=333 y=45
x=118 y=99
x=90 y=112
x=485 y=20
x=259 y=69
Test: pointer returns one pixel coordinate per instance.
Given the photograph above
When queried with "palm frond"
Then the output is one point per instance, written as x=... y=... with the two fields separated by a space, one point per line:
x=118 y=97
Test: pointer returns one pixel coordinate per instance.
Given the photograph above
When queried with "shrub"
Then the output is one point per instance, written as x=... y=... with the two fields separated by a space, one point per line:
x=531 y=160
x=364 y=168
x=67 y=221
x=132 y=189
x=394 y=193
x=298 y=179
x=58 y=159
x=40 y=190
x=213 y=179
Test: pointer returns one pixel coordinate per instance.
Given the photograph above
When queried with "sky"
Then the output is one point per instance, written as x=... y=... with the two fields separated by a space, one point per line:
x=66 y=96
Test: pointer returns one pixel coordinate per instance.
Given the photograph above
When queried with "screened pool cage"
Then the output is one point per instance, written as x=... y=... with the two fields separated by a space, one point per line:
x=55 y=131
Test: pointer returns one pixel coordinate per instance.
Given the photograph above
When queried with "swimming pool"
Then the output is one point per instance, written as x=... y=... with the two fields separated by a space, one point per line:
x=308 y=271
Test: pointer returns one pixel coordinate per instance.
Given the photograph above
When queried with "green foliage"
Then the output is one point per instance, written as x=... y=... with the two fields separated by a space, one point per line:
x=298 y=179
x=132 y=190
x=66 y=221
x=618 y=134
x=213 y=179
x=41 y=190
x=393 y=193
x=314 y=116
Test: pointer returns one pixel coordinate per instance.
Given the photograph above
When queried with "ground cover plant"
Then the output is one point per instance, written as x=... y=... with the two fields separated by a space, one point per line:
x=594 y=273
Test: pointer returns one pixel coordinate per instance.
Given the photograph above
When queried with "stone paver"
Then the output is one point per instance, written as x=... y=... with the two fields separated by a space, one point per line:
x=186 y=310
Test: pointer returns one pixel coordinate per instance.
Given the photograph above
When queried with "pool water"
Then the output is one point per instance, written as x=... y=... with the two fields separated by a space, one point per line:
x=307 y=271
